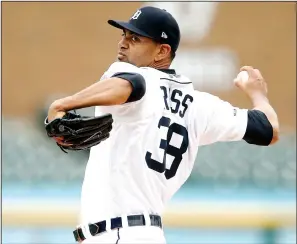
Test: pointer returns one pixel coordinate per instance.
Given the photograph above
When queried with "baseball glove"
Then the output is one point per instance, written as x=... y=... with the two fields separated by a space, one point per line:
x=75 y=132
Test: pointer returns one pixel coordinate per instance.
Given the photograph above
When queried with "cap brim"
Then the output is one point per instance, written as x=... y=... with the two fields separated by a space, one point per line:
x=125 y=25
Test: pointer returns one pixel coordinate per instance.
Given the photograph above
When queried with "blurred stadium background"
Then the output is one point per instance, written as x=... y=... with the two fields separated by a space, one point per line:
x=237 y=193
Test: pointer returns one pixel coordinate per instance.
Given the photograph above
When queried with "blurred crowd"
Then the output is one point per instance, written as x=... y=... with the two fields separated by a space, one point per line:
x=29 y=156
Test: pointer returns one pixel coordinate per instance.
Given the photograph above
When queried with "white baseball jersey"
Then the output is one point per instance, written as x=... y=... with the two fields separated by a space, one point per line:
x=153 y=145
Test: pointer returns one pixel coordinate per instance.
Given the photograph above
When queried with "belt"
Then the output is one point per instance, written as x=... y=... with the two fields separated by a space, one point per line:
x=100 y=227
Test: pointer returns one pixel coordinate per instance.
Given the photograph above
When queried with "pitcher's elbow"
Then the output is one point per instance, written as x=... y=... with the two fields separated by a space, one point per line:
x=276 y=132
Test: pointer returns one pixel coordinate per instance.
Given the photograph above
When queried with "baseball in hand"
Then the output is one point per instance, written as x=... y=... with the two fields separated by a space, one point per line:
x=242 y=76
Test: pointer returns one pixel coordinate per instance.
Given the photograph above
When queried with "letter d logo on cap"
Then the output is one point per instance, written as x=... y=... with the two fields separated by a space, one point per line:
x=136 y=15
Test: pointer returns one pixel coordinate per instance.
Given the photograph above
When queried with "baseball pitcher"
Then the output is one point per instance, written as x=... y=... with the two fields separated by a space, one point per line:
x=149 y=123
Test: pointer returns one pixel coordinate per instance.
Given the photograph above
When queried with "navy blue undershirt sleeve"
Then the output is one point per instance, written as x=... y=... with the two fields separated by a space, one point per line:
x=138 y=84
x=259 y=130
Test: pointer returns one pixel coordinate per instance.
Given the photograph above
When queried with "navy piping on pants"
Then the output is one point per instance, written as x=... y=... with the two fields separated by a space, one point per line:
x=118 y=236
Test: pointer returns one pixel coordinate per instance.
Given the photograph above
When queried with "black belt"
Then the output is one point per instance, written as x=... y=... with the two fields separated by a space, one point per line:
x=133 y=220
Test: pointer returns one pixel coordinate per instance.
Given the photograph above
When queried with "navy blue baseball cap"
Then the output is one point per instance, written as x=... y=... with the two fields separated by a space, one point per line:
x=154 y=23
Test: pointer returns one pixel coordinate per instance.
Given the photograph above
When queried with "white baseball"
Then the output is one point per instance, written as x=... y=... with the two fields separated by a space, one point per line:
x=243 y=76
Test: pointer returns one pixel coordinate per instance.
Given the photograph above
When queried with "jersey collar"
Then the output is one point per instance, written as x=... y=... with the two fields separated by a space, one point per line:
x=168 y=71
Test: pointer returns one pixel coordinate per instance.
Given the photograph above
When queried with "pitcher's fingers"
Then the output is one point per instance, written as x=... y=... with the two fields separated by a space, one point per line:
x=246 y=68
x=258 y=73
x=250 y=70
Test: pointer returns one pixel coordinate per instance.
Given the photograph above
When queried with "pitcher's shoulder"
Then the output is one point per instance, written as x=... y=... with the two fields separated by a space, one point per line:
x=123 y=67
x=205 y=97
